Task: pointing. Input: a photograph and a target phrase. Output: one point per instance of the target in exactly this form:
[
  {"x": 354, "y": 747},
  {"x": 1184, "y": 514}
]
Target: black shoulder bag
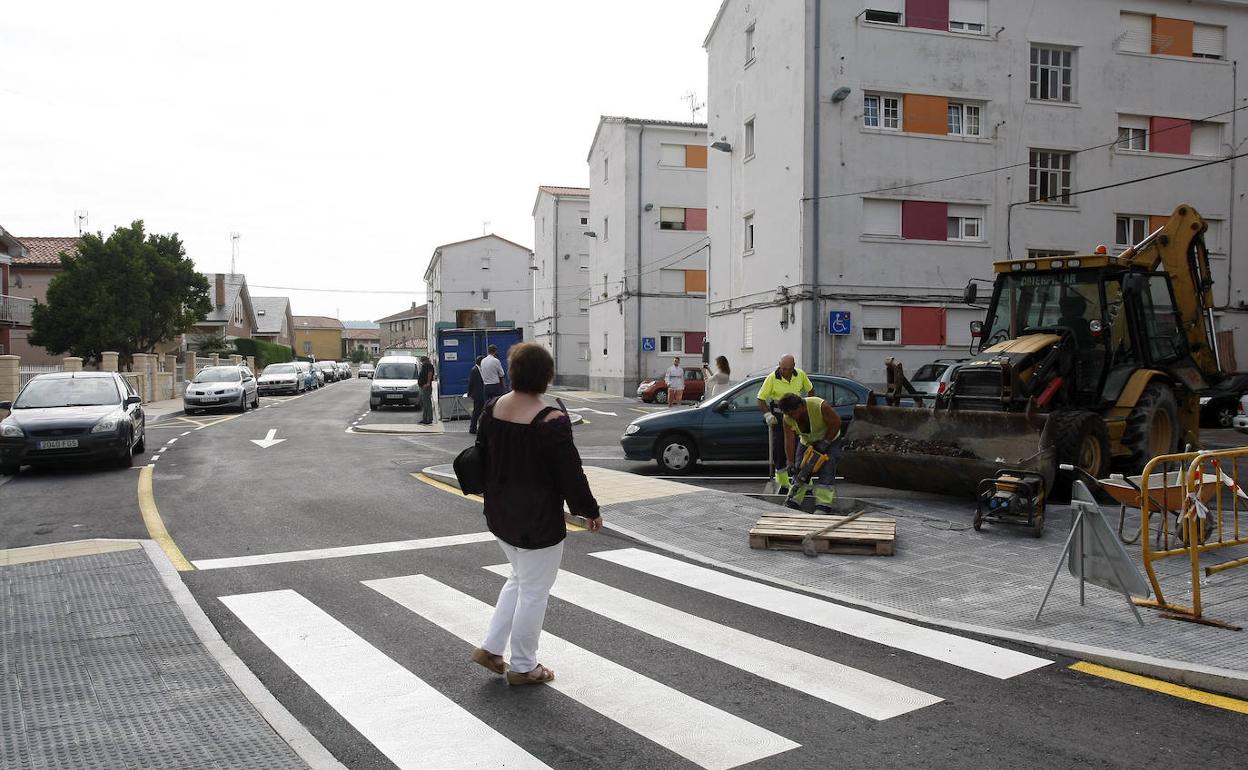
[{"x": 469, "y": 464}]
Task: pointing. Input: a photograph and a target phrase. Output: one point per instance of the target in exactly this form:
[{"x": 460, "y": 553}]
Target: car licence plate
[
  {"x": 65, "y": 443},
  {"x": 209, "y": 400},
  {"x": 394, "y": 395}
]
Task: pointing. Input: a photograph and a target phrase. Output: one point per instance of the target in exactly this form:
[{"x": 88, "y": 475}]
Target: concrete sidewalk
[
  {"x": 107, "y": 662},
  {"x": 944, "y": 573},
  {"x": 157, "y": 411}
]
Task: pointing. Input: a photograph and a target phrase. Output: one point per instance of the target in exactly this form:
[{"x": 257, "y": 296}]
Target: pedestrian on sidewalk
[
  {"x": 675, "y": 378},
  {"x": 426, "y": 377},
  {"x": 814, "y": 423},
  {"x": 492, "y": 374},
  {"x": 717, "y": 380},
  {"x": 476, "y": 391},
  {"x": 531, "y": 468},
  {"x": 787, "y": 378}
]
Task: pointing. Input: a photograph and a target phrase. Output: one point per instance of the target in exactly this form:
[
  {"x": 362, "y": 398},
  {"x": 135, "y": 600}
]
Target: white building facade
[
  {"x": 647, "y": 276},
  {"x": 856, "y": 192},
  {"x": 561, "y": 291},
  {"x": 486, "y": 273}
]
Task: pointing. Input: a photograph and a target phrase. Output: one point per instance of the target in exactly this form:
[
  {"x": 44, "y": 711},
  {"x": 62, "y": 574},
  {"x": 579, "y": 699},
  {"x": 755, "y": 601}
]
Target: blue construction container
[{"x": 457, "y": 350}]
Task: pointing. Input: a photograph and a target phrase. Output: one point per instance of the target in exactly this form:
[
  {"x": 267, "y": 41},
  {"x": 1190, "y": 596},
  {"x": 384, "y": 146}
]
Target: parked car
[
  {"x": 728, "y": 426},
  {"x": 1240, "y": 420},
  {"x": 310, "y": 380},
  {"x": 934, "y": 379},
  {"x": 327, "y": 368},
  {"x": 655, "y": 390},
  {"x": 221, "y": 387},
  {"x": 344, "y": 370},
  {"x": 66, "y": 417},
  {"x": 395, "y": 382},
  {"x": 365, "y": 370},
  {"x": 280, "y": 379},
  {"x": 1219, "y": 405}
]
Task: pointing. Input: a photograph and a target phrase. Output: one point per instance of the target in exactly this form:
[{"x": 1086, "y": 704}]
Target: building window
[
  {"x": 485, "y": 263},
  {"x": 1206, "y": 139},
  {"x": 964, "y": 228},
  {"x": 749, "y": 44},
  {"x": 885, "y": 335},
  {"x": 485, "y": 294},
  {"x": 879, "y": 111},
  {"x": 1049, "y": 177},
  {"x": 584, "y": 220},
  {"x": 606, "y": 228},
  {"x": 582, "y": 305},
  {"x": 883, "y": 11},
  {"x": 582, "y": 351},
  {"x": 604, "y": 343},
  {"x": 307, "y": 347},
  {"x": 671, "y": 218},
  {"x": 604, "y": 285},
  {"x": 1130, "y": 229},
  {"x": 963, "y": 119},
  {"x": 749, "y": 138},
  {"x": 1132, "y": 133},
  {"x": 747, "y": 330},
  {"x": 584, "y": 263},
  {"x": 881, "y": 217},
  {"x": 968, "y": 16},
  {"x": 1208, "y": 42},
  {"x": 606, "y": 168},
  {"x": 749, "y": 233},
  {"x": 671, "y": 342},
  {"x": 1052, "y": 74},
  {"x": 1046, "y": 253}
]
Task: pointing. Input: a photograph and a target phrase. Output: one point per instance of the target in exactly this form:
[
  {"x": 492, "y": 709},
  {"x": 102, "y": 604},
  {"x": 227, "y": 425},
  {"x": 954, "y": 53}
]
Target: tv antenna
[
  {"x": 80, "y": 218},
  {"x": 485, "y": 227},
  {"x": 695, "y": 106},
  {"x": 234, "y": 250}
]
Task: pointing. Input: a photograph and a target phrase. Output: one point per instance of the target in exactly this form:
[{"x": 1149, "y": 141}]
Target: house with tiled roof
[
  {"x": 406, "y": 330},
  {"x": 274, "y": 322},
  {"x": 14, "y": 311},
  {"x": 232, "y": 314},
  {"x": 318, "y": 337},
  {"x": 354, "y": 338},
  {"x": 29, "y": 276}
]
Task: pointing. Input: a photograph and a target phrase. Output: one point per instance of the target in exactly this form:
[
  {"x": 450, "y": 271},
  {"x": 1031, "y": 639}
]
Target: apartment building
[
  {"x": 486, "y": 273},
  {"x": 647, "y": 276},
  {"x": 406, "y": 330},
  {"x": 561, "y": 290},
  {"x": 833, "y": 239}
]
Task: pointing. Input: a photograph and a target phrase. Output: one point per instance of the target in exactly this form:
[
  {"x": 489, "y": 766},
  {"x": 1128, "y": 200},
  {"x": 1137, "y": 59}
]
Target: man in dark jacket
[
  {"x": 476, "y": 391},
  {"x": 426, "y": 378}
]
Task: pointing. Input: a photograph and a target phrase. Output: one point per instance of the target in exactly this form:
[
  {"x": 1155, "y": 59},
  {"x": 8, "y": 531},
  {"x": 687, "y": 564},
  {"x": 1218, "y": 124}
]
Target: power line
[
  {"x": 1135, "y": 180},
  {"x": 1021, "y": 164}
]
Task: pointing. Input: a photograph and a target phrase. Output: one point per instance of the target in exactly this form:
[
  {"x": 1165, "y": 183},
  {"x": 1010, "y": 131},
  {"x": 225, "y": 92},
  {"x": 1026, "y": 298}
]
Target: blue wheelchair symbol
[
  {"x": 647, "y": 344},
  {"x": 839, "y": 323}
]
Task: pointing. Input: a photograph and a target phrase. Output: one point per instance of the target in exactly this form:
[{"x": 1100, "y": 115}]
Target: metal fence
[
  {"x": 15, "y": 310},
  {"x": 26, "y": 373}
]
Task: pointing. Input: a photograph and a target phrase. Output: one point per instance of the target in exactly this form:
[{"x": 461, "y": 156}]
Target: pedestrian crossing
[{"x": 415, "y": 725}]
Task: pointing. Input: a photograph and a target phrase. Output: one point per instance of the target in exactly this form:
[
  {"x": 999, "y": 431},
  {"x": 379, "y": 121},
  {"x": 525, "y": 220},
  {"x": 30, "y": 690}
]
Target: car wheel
[
  {"x": 676, "y": 453},
  {"x": 1226, "y": 416},
  {"x": 372, "y": 406},
  {"x": 242, "y": 403},
  {"x": 141, "y": 447},
  {"x": 256, "y": 404},
  {"x": 126, "y": 458},
  {"x": 661, "y": 397}
]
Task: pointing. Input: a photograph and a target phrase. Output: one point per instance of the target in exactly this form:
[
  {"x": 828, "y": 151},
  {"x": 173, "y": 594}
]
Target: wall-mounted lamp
[
  {"x": 722, "y": 145},
  {"x": 647, "y": 207},
  {"x": 840, "y": 94}
]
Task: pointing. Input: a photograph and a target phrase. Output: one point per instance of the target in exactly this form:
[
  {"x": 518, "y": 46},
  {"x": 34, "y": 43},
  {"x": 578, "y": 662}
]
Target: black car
[
  {"x": 1219, "y": 405},
  {"x": 68, "y": 417}
]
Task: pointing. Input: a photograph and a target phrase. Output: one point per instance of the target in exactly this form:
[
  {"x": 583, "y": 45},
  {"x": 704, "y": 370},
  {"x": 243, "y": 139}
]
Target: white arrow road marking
[
  {"x": 268, "y": 441},
  {"x": 595, "y": 411}
]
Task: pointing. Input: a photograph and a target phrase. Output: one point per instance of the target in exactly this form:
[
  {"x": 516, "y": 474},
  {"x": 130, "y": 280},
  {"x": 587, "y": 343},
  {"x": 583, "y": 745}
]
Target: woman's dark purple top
[{"x": 530, "y": 470}]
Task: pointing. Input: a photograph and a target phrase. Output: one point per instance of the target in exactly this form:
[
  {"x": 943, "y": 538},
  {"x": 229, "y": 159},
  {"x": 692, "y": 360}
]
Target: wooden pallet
[{"x": 866, "y": 536}]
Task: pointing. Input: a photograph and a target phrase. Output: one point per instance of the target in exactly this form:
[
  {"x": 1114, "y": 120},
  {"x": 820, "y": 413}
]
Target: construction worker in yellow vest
[
  {"x": 787, "y": 378},
  {"x": 814, "y": 423}
]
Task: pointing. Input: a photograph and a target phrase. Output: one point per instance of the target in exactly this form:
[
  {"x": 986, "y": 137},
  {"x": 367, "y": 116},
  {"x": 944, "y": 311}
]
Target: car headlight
[
  {"x": 9, "y": 430},
  {"x": 107, "y": 424},
  {"x": 631, "y": 429}
]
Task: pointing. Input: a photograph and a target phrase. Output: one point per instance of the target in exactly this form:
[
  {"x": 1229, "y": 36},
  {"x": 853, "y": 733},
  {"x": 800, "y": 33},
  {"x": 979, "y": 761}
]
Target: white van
[{"x": 395, "y": 382}]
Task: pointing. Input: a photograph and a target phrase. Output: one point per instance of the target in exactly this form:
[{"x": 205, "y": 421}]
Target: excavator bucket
[{"x": 943, "y": 450}]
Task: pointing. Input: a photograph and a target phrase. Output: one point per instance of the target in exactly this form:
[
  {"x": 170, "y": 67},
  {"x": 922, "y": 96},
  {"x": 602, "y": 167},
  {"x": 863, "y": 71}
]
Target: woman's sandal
[
  {"x": 539, "y": 675},
  {"x": 489, "y": 660}
]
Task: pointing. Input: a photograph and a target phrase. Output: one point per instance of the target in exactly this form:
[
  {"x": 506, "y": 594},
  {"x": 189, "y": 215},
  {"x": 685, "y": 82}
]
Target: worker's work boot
[
  {"x": 782, "y": 481},
  {"x": 824, "y": 497}
]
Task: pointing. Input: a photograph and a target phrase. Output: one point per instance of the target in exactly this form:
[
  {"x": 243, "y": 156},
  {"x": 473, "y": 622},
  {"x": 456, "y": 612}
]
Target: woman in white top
[{"x": 717, "y": 381}]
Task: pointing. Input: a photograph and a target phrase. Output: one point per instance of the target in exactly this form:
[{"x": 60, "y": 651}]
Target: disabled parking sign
[
  {"x": 647, "y": 344},
  {"x": 838, "y": 322}
]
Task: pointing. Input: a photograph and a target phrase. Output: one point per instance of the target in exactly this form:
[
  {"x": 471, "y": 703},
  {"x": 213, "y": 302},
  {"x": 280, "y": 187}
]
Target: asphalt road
[{"x": 676, "y": 676}]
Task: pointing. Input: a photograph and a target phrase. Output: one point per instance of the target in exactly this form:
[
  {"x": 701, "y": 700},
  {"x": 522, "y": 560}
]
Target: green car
[{"x": 726, "y": 427}]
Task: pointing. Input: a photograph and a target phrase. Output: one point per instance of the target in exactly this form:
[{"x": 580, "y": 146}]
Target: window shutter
[
  {"x": 969, "y": 11},
  {"x": 670, "y": 214},
  {"x": 923, "y": 326},
  {"x": 695, "y": 156},
  {"x": 881, "y": 217},
  {"x": 695, "y": 219},
  {"x": 672, "y": 155},
  {"x": 1172, "y": 135},
  {"x": 1208, "y": 40},
  {"x": 1172, "y": 37},
  {"x": 927, "y": 14},
  {"x": 695, "y": 281},
  {"x": 1137, "y": 33},
  {"x": 1156, "y": 222},
  {"x": 1206, "y": 139},
  {"x": 1133, "y": 121},
  {"x": 925, "y": 114},
  {"x": 693, "y": 342},
  {"x": 671, "y": 281},
  {"x": 961, "y": 210},
  {"x": 880, "y": 316},
  {"x": 894, "y": 6},
  {"x": 924, "y": 220}
]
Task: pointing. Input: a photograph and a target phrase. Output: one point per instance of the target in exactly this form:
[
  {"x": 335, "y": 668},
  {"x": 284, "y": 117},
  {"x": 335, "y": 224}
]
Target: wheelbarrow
[{"x": 1169, "y": 496}]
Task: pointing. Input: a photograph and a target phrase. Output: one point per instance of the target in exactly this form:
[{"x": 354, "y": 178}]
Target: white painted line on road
[
  {"x": 154, "y": 458},
  {"x": 341, "y": 551},
  {"x": 682, "y": 724},
  {"x": 859, "y": 691},
  {"x": 187, "y": 433},
  {"x": 161, "y": 450},
  {"x": 170, "y": 441},
  {"x": 939, "y": 645},
  {"x": 408, "y": 721}
]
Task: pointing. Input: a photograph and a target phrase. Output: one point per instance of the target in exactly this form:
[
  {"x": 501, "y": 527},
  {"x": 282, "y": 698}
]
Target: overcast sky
[{"x": 344, "y": 141}]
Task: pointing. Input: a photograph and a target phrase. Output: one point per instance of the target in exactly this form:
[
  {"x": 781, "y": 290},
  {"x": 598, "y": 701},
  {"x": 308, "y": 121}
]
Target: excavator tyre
[{"x": 1153, "y": 425}]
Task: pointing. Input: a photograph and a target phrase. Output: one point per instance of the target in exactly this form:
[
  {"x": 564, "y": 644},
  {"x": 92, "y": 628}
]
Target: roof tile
[{"x": 46, "y": 250}]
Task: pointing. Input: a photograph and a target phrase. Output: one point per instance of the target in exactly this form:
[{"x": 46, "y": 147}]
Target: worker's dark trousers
[
  {"x": 478, "y": 404},
  {"x": 495, "y": 390}
]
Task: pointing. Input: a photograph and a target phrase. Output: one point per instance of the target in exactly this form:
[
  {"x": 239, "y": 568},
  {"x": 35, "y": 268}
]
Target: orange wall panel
[
  {"x": 1157, "y": 220},
  {"x": 1172, "y": 37},
  {"x": 925, "y": 114},
  {"x": 695, "y": 156},
  {"x": 695, "y": 281}
]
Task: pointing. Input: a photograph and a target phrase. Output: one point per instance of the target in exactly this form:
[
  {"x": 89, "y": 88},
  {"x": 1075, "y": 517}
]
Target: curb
[{"x": 289, "y": 729}]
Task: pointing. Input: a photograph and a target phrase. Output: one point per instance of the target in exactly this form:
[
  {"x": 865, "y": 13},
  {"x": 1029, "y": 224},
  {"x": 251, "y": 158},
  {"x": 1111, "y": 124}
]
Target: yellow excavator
[{"x": 1088, "y": 360}]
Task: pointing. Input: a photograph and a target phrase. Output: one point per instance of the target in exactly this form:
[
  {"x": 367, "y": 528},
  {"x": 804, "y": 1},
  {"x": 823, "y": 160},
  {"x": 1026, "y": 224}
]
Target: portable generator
[{"x": 1012, "y": 497}]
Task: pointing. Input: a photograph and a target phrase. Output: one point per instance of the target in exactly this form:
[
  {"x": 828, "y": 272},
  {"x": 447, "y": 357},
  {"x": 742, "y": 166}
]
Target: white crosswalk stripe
[
  {"x": 411, "y": 723},
  {"x": 697, "y": 731},
  {"x": 850, "y": 688},
  {"x": 939, "y": 645}
]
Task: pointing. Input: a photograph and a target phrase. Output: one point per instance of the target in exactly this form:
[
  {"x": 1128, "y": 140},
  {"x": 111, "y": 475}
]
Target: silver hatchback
[{"x": 221, "y": 387}]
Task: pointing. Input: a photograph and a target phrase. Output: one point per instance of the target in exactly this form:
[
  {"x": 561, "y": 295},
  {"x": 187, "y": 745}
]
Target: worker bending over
[
  {"x": 812, "y": 421},
  {"x": 787, "y": 378}
]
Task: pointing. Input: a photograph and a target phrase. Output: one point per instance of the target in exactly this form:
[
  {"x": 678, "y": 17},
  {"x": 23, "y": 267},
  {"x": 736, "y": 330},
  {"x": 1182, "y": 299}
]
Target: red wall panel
[
  {"x": 922, "y": 325},
  {"x": 924, "y": 220},
  {"x": 693, "y": 342},
  {"x": 1172, "y": 135},
  {"x": 928, "y": 14},
  {"x": 695, "y": 219}
]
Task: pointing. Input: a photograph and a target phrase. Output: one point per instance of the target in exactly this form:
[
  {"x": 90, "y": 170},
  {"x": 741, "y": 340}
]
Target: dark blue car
[{"x": 728, "y": 426}]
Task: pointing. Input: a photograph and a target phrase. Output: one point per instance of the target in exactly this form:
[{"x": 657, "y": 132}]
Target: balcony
[{"x": 15, "y": 311}]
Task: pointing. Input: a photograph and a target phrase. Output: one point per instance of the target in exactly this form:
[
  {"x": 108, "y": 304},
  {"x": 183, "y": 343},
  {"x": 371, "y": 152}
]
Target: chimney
[{"x": 220, "y": 290}]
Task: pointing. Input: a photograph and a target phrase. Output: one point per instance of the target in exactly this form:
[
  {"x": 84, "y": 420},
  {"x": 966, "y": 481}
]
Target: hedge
[{"x": 265, "y": 352}]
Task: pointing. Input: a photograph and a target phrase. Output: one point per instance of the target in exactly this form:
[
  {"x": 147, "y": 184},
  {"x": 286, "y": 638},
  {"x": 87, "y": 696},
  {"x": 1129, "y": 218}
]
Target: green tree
[
  {"x": 359, "y": 355},
  {"x": 125, "y": 293}
]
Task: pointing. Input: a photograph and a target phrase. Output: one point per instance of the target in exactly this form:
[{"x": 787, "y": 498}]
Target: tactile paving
[
  {"x": 82, "y": 745},
  {"x": 162, "y": 740}
]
